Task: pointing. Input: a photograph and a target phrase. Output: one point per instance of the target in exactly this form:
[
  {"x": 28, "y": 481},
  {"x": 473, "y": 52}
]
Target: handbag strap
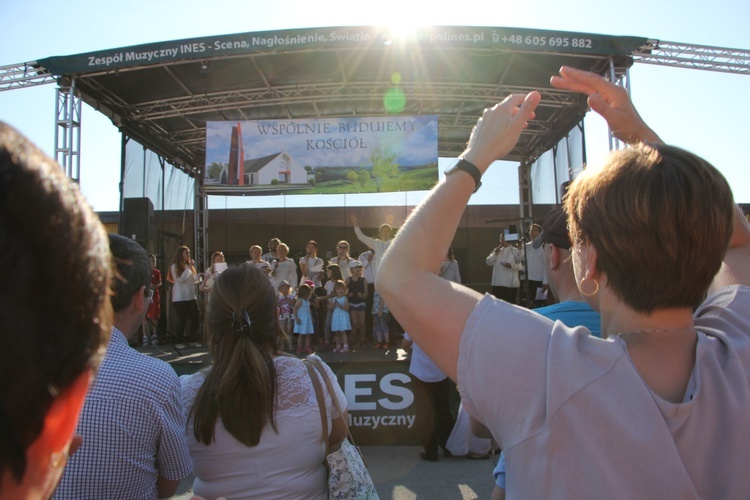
[
  {"x": 321, "y": 402},
  {"x": 318, "y": 366}
]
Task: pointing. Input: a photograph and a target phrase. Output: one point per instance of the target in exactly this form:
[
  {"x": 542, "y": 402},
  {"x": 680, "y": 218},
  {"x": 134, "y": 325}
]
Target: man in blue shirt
[{"x": 558, "y": 263}]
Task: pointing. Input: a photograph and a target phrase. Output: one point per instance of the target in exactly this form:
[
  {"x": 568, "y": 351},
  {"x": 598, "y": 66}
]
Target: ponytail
[{"x": 243, "y": 336}]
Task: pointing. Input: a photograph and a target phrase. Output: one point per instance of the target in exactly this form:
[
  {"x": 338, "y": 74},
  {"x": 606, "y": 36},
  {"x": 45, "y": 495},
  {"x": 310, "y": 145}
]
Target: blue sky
[{"x": 701, "y": 111}]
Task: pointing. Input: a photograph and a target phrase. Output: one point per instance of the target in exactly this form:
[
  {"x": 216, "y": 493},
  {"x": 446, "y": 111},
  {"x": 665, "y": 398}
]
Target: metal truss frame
[
  {"x": 200, "y": 214},
  {"x": 333, "y": 92},
  {"x": 621, "y": 77},
  {"x": 68, "y": 130},
  {"x": 28, "y": 74},
  {"x": 469, "y": 101},
  {"x": 704, "y": 57}
]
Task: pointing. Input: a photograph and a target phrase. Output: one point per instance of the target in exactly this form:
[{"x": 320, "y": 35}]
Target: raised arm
[
  {"x": 609, "y": 100},
  {"x": 735, "y": 269},
  {"x": 408, "y": 279},
  {"x": 370, "y": 242}
]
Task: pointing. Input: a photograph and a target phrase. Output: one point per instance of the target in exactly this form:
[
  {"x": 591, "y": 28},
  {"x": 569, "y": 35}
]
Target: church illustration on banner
[{"x": 280, "y": 166}]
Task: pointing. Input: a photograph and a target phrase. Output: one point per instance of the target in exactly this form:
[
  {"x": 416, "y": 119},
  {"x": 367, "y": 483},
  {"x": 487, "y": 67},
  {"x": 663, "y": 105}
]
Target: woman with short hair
[{"x": 657, "y": 408}]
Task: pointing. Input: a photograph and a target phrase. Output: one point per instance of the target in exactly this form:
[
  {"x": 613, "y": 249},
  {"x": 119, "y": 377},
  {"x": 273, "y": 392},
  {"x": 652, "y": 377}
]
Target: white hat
[{"x": 355, "y": 263}]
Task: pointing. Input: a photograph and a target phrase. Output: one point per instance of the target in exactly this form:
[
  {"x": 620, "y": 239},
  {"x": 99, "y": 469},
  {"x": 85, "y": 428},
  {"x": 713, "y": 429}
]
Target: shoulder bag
[{"x": 348, "y": 477}]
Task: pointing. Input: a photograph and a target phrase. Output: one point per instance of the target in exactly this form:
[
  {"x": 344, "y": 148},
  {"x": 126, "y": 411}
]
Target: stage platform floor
[{"x": 192, "y": 359}]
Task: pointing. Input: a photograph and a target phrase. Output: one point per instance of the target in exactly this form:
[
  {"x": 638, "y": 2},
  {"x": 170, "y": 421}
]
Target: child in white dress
[
  {"x": 303, "y": 324},
  {"x": 286, "y": 300}
]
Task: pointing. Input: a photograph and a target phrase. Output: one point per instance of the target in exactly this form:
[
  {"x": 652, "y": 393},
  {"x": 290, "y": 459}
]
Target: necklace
[{"x": 657, "y": 330}]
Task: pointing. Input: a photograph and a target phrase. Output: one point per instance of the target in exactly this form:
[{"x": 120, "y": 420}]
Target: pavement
[{"x": 399, "y": 474}]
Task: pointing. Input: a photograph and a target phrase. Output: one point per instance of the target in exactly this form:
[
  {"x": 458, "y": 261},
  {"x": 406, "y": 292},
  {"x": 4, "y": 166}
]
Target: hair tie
[{"x": 240, "y": 326}]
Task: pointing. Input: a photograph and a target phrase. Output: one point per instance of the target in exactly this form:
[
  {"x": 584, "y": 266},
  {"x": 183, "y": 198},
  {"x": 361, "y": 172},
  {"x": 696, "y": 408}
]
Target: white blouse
[
  {"x": 183, "y": 288},
  {"x": 287, "y": 464}
]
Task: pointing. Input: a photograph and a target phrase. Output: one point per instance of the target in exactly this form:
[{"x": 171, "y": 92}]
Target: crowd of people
[
  {"x": 310, "y": 295},
  {"x": 368, "y": 319},
  {"x": 635, "y": 384}
]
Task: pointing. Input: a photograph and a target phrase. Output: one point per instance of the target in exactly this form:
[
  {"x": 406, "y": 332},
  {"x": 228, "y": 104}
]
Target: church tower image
[{"x": 236, "y": 158}]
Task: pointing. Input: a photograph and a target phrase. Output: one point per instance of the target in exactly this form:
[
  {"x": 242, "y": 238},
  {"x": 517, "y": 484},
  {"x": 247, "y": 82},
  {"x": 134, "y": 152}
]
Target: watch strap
[{"x": 470, "y": 169}]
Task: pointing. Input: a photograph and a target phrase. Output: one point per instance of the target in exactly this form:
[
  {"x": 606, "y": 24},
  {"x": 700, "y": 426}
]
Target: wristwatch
[{"x": 470, "y": 169}]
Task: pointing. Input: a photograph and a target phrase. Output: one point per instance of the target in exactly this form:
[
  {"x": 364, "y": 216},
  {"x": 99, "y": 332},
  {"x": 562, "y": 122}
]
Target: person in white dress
[{"x": 254, "y": 428}]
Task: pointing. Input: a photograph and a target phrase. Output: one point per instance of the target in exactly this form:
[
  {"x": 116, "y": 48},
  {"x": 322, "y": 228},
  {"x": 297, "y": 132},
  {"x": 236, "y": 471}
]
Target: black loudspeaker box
[{"x": 138, "y": 220}]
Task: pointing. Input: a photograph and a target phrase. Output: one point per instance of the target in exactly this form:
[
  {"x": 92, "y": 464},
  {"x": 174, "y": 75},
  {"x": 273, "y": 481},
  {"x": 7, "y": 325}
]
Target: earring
[
  {"x": 596, "y": 290},
  {"x": 58, "y": 460}
]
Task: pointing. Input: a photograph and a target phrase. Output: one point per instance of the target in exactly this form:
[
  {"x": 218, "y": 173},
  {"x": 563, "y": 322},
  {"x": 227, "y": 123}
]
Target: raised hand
[
  {"x": 498, "y": 130},
  {"x": 609, "y": 100}
]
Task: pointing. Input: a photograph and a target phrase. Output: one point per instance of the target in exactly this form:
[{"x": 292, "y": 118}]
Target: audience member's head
[
  {"x": 554, "y": 230},
  {"x": 558, "y": 264},
  {"x": 133, "y": 270},
  {"x": 243, "y": 334},
  {"x": 645, "y": 213},
  {"x": 55, "y": 314},
  {"x": 131, "y": 283}
]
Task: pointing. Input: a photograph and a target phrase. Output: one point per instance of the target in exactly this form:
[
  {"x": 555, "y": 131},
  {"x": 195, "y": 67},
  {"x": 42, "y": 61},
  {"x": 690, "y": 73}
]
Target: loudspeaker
[{"x": 138, "y": 220}]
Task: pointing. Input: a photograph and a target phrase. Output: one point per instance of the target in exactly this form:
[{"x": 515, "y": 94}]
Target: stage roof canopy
[{"x": 162, "y": 94}]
